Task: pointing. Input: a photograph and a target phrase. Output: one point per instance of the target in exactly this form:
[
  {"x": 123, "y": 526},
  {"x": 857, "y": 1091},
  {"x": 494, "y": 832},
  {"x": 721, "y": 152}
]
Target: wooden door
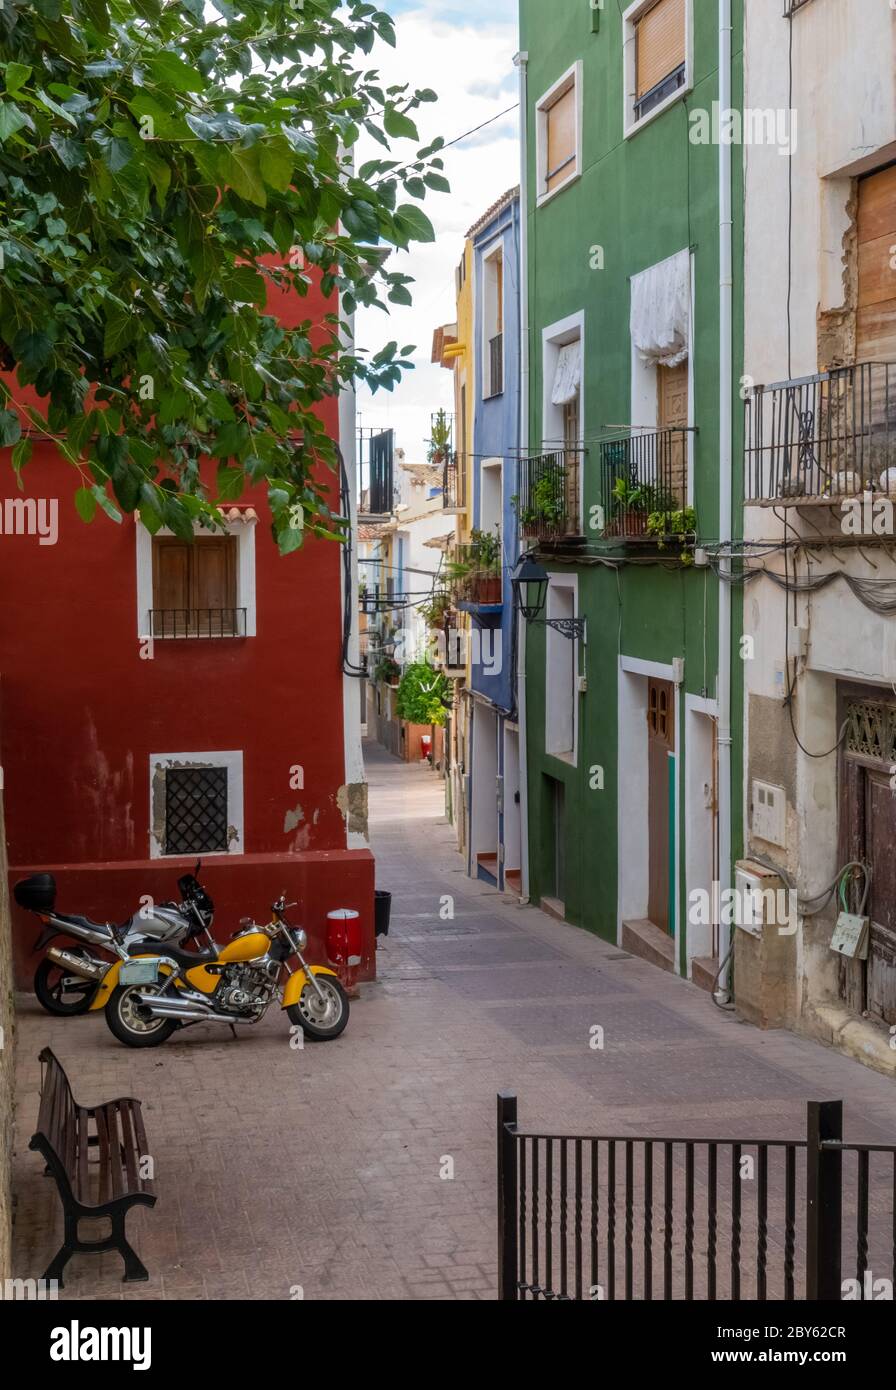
[
  {"x": 660, "y": 744},
  {"x": 876, "y": 317},
  {"x": 880, "y": 838},
  {"x": 672, "y": 387}
]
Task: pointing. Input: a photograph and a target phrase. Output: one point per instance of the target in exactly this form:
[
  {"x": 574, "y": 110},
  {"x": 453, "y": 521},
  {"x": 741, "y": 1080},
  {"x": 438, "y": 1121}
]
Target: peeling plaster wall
[{"x": 844, "y": 94}]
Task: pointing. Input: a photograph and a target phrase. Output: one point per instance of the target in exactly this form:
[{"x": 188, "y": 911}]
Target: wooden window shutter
[
  {"x": 876, "y": 318},
  {"x": 660, "y": 43},
  {"x": 561, "y": 123},
  {"x": 213, "y": 573},
  {"x": 171, "y": 573}
]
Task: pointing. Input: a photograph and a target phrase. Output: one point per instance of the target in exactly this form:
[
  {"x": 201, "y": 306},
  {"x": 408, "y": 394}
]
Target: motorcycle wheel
[
  {"x": 133, "y": 1025},
  {"x": 318, "y": 1018},
  {"x": 61, "y": 993}
]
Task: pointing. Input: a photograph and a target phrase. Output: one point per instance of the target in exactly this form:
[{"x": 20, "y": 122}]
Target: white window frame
[
  {"x": 571, "y": 78},
  {"x": 492, "y": 467},
  {"x": 557, "y": 645},
  {"x": 630, "y": 17},
  {"x": 245, "y": 578},
  {"x": 489, "y": 255},
  {"x": 556, "y": 336},
  {"x": 645, "y": 404},
  {"x": 233, "y": 762}
]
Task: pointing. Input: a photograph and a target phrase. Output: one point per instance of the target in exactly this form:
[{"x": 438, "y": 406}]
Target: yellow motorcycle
[{"x": 161, "y": 988}]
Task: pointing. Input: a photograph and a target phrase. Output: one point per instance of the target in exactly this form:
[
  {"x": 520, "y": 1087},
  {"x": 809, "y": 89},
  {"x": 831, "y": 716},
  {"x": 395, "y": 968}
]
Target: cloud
[{"x": 465, "y": 53}]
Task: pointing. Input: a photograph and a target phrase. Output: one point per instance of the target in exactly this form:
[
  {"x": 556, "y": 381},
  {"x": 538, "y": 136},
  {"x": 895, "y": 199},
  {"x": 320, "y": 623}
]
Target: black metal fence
[
  {"x": 822, "y": 437},
  {"x": 547, "y": 503},
  {"x": 610, "y": 1218},
  {"x": 197, "y": 622},
  {"x": 643, "y": 473}
]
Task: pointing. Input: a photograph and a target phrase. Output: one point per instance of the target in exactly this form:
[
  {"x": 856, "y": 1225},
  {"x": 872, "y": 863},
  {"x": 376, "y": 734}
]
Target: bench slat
[
  {"x": 131, "y": 1152},
  {"x": 102, "y": 1132},
  {"x": 147, "y": 1184}
]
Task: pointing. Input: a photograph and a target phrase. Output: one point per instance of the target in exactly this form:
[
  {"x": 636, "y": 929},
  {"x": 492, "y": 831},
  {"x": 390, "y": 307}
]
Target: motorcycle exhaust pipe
[
  {"x": 75, "y": 965},
  {"x": 186, "y": 1012}
]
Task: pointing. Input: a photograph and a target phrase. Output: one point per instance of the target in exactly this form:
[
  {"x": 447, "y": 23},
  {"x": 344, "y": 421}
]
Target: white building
[{"x": 820, "y": 624}]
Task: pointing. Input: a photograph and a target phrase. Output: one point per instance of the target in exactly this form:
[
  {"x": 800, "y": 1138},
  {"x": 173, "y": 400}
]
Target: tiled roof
[{"x": 504, "y": 201}]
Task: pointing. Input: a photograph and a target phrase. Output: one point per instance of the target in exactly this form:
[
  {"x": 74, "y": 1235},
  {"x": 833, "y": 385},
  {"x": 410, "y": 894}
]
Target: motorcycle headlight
[{"x": 301, "y": 939}]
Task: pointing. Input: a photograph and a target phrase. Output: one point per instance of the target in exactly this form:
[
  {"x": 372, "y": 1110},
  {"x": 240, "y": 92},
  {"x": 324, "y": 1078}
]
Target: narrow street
[{"x": 323, "y": 1168}]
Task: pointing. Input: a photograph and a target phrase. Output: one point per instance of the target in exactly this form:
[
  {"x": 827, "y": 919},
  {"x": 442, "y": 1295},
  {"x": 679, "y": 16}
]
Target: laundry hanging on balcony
[
  {"x": 568, "y": 376},
  {"x": 661, "y": 311}
]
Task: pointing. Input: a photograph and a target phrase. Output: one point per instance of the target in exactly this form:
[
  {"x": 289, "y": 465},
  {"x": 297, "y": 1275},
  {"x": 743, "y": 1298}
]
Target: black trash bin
[{"x": 382, "y": 910}]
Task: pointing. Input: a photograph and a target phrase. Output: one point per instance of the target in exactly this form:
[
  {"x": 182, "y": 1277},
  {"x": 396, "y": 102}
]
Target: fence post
[
  {"x": 824, "y": 1201},
  {"x": 507, "y": 1198}
]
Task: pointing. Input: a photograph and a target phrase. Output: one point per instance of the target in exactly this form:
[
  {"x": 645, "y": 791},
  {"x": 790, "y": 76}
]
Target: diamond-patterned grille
[
  {"x": 195, "y": 810},
  {"x": 871, "y": 730}
]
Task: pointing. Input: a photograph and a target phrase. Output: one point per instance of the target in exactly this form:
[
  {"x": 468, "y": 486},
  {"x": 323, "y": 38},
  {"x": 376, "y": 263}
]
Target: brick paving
[{"x": 323, "y": 1168}]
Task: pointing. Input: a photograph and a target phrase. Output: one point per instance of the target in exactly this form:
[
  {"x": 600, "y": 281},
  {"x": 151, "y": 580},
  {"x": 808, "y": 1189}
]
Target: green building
[{"x": 629, "y": 480}]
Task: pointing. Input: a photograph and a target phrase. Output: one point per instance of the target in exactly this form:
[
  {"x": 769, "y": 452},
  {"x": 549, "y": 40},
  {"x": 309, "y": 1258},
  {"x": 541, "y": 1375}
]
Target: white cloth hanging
[
  {"x": 661, "y": 311},
  {"x": 568, "y": 376}
]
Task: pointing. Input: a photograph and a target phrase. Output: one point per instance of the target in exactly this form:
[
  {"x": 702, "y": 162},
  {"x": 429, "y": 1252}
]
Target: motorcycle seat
[
  {"x": 162, "y": 948},
  {"x": 85, "y": 923}
]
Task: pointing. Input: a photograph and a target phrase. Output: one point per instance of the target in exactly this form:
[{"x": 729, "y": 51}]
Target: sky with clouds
[{"x": 463, "y": 50}]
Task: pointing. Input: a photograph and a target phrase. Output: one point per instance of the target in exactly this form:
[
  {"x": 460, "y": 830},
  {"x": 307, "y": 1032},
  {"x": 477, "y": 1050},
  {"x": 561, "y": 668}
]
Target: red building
[{"x": 233, "y": 733}]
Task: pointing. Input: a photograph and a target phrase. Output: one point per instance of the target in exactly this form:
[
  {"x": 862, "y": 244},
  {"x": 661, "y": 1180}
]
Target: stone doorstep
[
  {"x": 650, "y": 942},
  {"x": 554, "y": 908},
  {"x": 704, "y": 970},
  {"x": 847, "y": 1032}
]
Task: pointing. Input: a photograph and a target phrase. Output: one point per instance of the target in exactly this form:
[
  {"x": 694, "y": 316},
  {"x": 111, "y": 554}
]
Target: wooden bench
[{"x": 96, "y": 1154}]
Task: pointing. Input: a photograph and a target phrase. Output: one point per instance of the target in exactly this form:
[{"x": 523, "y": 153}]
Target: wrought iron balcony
[
  {"x": 547, "y": 503},
  {"x": 820, "y": 439},
  {"x": 197, "y": 622},
  {"x": 643, "y": 475},
  {"x": 454, "y": 483},
  {"x": 475, "y": 573}
]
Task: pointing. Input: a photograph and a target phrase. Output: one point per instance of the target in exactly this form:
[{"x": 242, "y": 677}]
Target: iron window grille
[
  {"x": 871, "y": 730},
  {"x": 197, "y": 622},
  {"x": 195, "y": 810}
]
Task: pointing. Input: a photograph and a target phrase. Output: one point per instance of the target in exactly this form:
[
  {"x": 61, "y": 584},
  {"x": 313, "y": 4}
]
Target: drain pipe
[
  {"x": 726, "y": 422},
  {"x": 521, "y": 62}
]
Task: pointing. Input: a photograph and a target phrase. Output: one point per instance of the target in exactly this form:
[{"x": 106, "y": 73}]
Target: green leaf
[
  {"x": 244, "y": 175},
  {"x": 121, "y": 328},
  {"x": 85, "y": 501},
  {"x": 231, "y": 482},
  {"x": 415, "y": 219},
  {"x": 171, "y": 71},
  {"x": 106, "y": 503},
  {"x": 21, "y": 453},
  {"x": 10, "y": 428},
  {"x": 17, "y": 75},
  {"x": 399, "y": 126},
  {"x": 277, "y": 164},
  {"x": 11, "y": 120}
]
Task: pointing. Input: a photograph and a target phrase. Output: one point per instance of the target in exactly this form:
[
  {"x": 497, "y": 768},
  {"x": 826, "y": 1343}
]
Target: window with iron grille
[{"x": 196, "y": 810}]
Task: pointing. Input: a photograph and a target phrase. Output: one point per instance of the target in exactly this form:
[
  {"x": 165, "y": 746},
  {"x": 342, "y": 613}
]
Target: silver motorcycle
[{"x": 67, "y": 979}]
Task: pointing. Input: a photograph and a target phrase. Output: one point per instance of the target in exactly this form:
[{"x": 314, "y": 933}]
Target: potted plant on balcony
[
  {"x": 545, "y": 506},
  {"x": 678, "y": 528},
  {"x": 387, "y": 672},
  {"x": 485, "y": 555},
  {"x": 436, "y": 611},
  {"x": 440, "y": 442}
]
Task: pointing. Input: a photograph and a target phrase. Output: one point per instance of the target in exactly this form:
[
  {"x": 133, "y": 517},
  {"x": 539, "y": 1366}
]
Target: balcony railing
[
  {"x": 475, "y": 577},
  {"x": 822, "y": 438},
  {"x": 454, "y": 484},
  {"x": 548, "y": 499},
  {"x": 197, "y": 622},
  {"x": 495, "y": 365},
  {"x": 643, "y": 474}
]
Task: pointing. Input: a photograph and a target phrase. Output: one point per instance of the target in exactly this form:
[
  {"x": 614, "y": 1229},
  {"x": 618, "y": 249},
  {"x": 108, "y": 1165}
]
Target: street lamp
[{"x": 529, "y": 583}]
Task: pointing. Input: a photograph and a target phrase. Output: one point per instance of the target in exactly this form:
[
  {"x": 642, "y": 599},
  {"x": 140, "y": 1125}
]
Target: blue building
[{"x": 494, "y": 844}]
